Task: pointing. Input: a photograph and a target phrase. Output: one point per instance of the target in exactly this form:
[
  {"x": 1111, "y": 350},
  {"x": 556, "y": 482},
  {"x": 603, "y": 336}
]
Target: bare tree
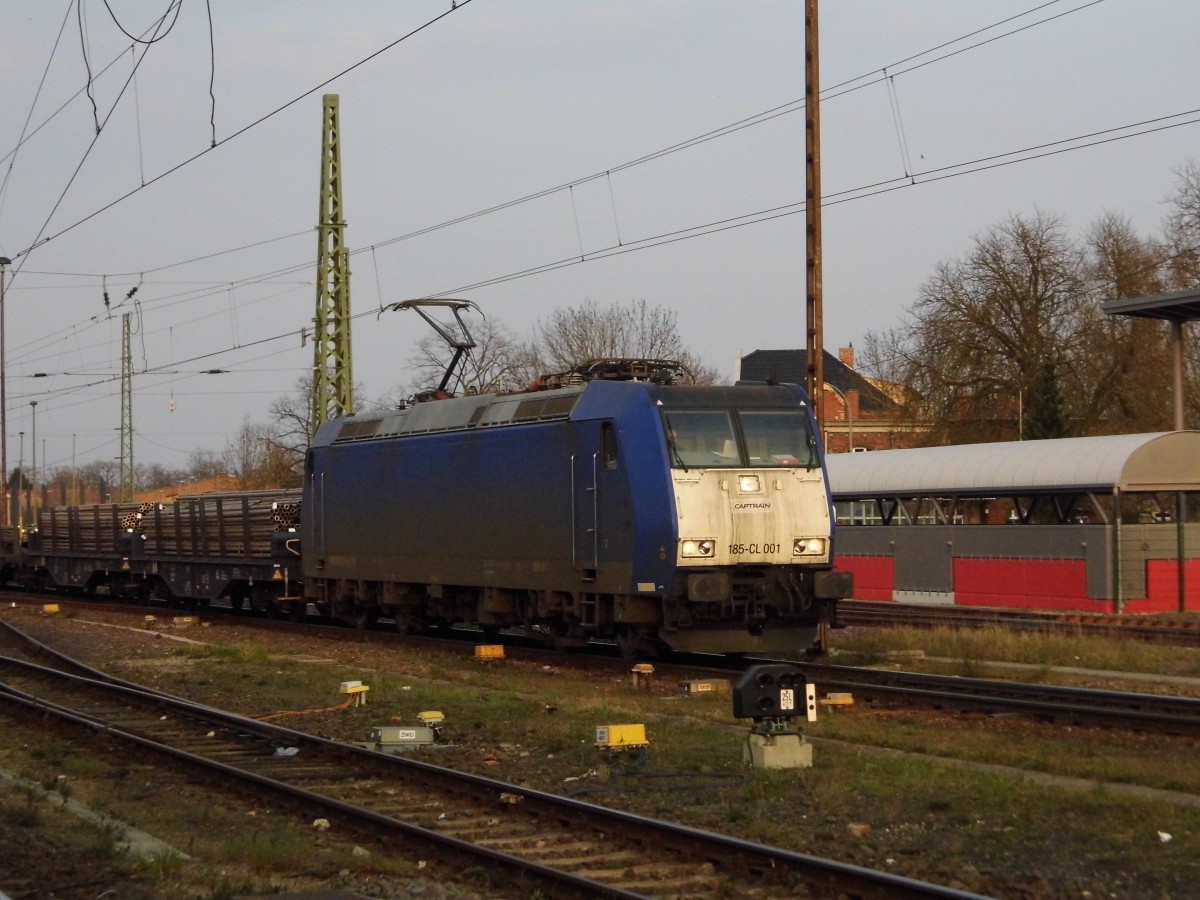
[
  {"x": 100, "y": 477},
  {"x": 498, "y": 362},
  {"x": 290, "y": 413},
  {"x": 1183, "y": 242},
  {"x": 1011, "y": 341},
  {"x": 982, "y": 349},
  {"x": 256, "y": 460},
  {"x": 288, "y": 432},
  {"x": 155, "y": 476},
  {"x": 203, "y": 465},
  {"x": 1183, "y": 228},
  {"x": 573, "y": 335},
  {"x": 1118, "y": 380}
]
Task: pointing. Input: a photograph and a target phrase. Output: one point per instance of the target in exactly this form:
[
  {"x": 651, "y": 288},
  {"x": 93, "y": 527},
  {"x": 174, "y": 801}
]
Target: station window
[{"x": 858, "y": 512}]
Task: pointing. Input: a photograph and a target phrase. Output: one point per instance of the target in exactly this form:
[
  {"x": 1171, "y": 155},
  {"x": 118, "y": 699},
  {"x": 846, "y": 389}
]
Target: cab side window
[{"x": 608, "y": 445}]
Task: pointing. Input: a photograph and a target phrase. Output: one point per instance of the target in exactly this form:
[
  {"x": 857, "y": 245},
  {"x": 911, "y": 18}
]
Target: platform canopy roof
[
  {"x": 1164, "y": 461},
  {"x": 1180, "y": 306}
]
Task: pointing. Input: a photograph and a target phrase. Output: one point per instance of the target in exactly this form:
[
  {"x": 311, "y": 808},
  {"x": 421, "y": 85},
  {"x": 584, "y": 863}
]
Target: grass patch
[
  {"x": 231, "y": 653},
  {"x": 973, "y": 648},
  {"x": 81, "y": 766},
  {"x": 1147, "y": 760},
  {"x": 163, "y": 866},
  {"x": 276, "y": 850}
]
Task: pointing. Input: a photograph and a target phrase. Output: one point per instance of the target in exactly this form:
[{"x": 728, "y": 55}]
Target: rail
[{"x": 558, "y": 845}]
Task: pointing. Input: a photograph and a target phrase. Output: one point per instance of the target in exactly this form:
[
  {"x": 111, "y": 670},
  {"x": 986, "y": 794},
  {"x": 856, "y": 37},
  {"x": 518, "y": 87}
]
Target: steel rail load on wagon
[
  {"x": 1095, "y": 524},
  {"x": 241, "y": 546}
]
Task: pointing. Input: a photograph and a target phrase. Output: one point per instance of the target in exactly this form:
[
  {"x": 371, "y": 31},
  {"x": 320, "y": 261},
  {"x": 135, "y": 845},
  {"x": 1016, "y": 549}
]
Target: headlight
[
  {"x": 700, "y": 548},
  {"x": 808, "y": 547},
  {"x": 748, "y": 484}
]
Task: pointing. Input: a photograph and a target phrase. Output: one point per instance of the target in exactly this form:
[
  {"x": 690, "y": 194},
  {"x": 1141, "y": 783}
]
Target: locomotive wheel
[
  {"x": 632, "y": 643},
  {"x": 560, "y": 636},
  {"x": 627, "y": 643}
]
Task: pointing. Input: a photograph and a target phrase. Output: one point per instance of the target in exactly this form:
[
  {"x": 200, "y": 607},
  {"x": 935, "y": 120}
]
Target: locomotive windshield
[{"x": 712, "y": 438}]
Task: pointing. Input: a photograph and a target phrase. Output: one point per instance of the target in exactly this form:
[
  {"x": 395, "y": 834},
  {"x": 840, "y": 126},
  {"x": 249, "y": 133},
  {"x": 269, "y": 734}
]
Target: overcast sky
[{"x": 498, "y": 101}]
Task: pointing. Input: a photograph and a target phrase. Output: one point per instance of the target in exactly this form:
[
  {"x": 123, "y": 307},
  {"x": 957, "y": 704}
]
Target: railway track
[
  {"x": 1116, "y": 709},
  {"x": 1121, "y": 709},
  {"x": 535, "y": 841},
  {"x": 1167, "y": 629}
]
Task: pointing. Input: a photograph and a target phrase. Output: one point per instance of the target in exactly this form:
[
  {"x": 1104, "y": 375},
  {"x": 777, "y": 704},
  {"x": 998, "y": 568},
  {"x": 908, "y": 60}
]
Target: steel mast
[
  {"x": 333, "y": 379},
  {"x": 128, "y": 485}
]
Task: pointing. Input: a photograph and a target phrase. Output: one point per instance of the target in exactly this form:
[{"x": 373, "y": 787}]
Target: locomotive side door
[
  {"x": 316, "y": 513},
  {"x": 592, "y": 466}
]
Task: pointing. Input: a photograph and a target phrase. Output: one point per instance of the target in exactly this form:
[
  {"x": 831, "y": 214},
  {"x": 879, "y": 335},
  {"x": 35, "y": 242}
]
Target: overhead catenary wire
[
  {"x": 27, "y": 135},
  {"x": 901, "y": 138},
  {"x": 40, "y": 239},
  {"x": 86, "y": 63},
  {"x": 12, "y": 156},
  {"x": 757, "y": 119},
  {"x": 607, "y": 174},
  {"x": 212, "y": 74},
  {"x": 836, "y": 90},
  {"x": 75, "y": 174},
  {"x": 710, "y": 228},
  {"x": 177, "y": 5},
  {"x": 77, "y": 392},
  {"x": 860, "y": 193},
  {"x": 840, "y": 89},
  {"x": 758, "y": 217},
  {"x": 137, "y": 119},
  {"x": 34, "y": 349}
]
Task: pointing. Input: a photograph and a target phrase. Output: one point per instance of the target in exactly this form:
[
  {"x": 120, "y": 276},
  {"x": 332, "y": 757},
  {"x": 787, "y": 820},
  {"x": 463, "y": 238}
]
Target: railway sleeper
[
  {"x": 655, "y": 877},
  {"x": 610, "y": 860}
]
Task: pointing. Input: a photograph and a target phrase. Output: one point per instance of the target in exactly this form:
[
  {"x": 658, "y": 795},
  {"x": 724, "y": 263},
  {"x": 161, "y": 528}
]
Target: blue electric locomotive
[{"x": 696, "y": 518}]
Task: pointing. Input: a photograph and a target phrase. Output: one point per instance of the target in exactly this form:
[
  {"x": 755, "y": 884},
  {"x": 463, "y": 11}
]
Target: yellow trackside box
[
  {"x": 620, "y": 737},
  {"x": 489, "y": 651}
]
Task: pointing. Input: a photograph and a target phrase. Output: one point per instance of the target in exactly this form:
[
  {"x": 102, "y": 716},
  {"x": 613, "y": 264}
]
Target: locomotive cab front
[{"x": 755, "y": 534}]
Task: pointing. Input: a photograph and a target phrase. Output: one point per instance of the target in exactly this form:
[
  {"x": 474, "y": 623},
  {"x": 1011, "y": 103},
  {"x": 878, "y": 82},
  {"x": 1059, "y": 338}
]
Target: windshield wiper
[{"x": 671, "y": 440}]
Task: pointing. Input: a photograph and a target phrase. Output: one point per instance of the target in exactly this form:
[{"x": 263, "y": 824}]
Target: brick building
[{"x": 856, "y": 412}]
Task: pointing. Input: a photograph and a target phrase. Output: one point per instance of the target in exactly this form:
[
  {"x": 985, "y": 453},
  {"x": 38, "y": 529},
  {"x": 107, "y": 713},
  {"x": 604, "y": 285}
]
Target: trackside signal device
[{"x": 772, "y": 696}]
